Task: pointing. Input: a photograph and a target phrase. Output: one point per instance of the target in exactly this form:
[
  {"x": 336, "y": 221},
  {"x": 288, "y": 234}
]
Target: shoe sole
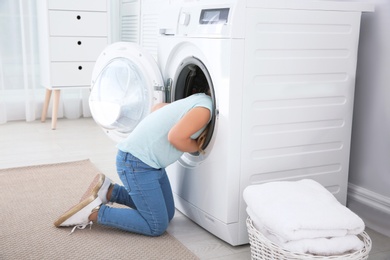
[
  {"x": 74, "y": 210},
  {"x": 94, "y": 187}
]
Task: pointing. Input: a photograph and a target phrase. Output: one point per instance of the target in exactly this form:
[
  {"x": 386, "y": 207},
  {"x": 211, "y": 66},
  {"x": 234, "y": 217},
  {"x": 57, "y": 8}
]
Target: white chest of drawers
[{"x": 72, "y": 33}]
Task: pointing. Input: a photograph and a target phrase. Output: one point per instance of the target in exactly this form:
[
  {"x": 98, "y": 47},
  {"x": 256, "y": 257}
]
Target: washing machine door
[{"x": 126, "y": 83}]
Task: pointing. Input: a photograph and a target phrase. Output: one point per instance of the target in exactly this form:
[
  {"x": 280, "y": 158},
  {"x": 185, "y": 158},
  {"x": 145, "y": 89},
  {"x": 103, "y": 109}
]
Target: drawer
[
  {"x": 76, "y": 48},
  {"x": 71, "y": 74},
  {"x": 73, "y": 23},
  {"x": 81, "y": 5}
]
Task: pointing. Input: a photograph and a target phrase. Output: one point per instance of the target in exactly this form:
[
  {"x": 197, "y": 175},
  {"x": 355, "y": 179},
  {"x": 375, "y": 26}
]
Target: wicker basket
[{"x": 263, "y": 248}]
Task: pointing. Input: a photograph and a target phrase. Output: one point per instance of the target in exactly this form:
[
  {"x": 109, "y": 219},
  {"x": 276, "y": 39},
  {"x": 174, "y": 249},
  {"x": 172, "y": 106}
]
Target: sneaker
[
  {"x": 98, "y": 188},
  {"x": 78, "y": 215}
]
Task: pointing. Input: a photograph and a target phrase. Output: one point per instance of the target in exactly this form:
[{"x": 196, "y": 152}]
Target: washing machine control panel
[
  {"x": 214, "y": 16},
  {"x": 184, "y": 19},
  {"x": 204, "y": 21}
]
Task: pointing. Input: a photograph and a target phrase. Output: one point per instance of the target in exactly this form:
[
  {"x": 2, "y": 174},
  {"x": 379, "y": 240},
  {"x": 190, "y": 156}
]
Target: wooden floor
[{"x": 34, "y": 143}]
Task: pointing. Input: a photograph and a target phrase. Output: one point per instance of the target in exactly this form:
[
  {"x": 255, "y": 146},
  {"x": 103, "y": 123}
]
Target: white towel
[
  {"x": 323, "y": 246},
  {"x": 326, "y": 246},
  {"x": 294, "y": 210}
]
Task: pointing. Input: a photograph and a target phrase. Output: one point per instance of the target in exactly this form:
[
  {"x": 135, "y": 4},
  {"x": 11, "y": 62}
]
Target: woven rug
[{"x": 33, "y": 197}]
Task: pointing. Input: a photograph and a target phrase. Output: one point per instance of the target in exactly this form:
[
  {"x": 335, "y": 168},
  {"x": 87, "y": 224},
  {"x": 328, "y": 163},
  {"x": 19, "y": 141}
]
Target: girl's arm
[{"x": 180, "y": 134}]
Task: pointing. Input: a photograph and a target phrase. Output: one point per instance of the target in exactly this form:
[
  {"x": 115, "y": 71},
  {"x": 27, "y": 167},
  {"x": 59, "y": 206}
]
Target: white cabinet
[
  {"x": 72, "y": 34},
  {"x": 139, "y": 22}
]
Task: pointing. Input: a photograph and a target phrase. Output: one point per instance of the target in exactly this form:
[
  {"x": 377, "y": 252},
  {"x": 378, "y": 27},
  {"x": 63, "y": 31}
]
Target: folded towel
[
  {"x": 326, "y": 246},
  {"x": 317, "y": 246},
  {"x": 293, "y": 210}
]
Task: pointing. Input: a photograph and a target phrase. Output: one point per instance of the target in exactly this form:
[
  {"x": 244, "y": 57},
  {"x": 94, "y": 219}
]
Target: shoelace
[{"x": 82, "y": 226}]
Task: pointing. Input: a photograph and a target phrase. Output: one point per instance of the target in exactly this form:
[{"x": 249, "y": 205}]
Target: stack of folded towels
[{"x": 303, "y": 217}]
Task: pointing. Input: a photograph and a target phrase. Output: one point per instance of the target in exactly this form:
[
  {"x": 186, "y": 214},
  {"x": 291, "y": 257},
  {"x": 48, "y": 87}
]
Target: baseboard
[{"x": 372, "y": 207}]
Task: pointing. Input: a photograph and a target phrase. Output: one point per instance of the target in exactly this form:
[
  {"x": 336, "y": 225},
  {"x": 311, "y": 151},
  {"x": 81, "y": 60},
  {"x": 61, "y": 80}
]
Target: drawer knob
[
  {"x": 78, "y": 17},
  {"x": 80, "y": 67},
  {"x": 79, "y": 42}
]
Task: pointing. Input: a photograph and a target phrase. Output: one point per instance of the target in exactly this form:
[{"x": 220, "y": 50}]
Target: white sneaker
[
  {"x": 78, "y": 215},
  {"x": 98, "y": 188}
]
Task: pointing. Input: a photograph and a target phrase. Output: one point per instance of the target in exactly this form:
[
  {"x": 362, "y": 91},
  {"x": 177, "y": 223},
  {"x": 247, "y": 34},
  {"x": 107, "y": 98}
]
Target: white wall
[{"x": 369, "y": 177}]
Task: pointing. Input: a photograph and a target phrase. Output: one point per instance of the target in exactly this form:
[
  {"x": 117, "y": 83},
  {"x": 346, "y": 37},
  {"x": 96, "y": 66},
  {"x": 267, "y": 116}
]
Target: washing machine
[{"x": 281, "y": 76}]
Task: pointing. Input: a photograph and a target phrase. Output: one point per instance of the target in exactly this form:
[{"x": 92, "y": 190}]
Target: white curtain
[{"x": 21, "y": 95}]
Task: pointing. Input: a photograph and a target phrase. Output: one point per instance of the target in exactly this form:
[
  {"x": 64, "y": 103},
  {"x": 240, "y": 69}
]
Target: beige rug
[{"x": 33, "y": 197}]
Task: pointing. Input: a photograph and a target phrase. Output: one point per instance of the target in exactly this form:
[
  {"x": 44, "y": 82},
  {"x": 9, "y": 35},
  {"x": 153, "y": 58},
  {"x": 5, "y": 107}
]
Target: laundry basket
[{"x": 263, "y": 248}]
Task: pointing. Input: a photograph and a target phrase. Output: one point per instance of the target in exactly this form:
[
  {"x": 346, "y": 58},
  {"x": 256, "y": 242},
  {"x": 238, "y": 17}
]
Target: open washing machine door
[{"x": 126, "y": 83}]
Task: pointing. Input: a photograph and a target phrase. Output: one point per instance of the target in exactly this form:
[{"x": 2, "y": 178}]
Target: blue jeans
[{"x": 146, "y": 191}]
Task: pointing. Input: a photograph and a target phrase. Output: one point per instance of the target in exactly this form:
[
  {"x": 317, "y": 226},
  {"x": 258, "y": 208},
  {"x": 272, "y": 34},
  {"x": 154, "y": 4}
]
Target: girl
[{"x": 158, "y": 141}]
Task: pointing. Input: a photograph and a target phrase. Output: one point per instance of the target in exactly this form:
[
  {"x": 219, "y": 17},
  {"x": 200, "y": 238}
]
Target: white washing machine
[{"x": 281, "y": 75}]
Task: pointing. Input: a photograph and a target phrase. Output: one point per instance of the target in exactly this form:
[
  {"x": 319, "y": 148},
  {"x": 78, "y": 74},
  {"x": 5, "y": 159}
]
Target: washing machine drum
[{"x": 122, "y": 88}]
